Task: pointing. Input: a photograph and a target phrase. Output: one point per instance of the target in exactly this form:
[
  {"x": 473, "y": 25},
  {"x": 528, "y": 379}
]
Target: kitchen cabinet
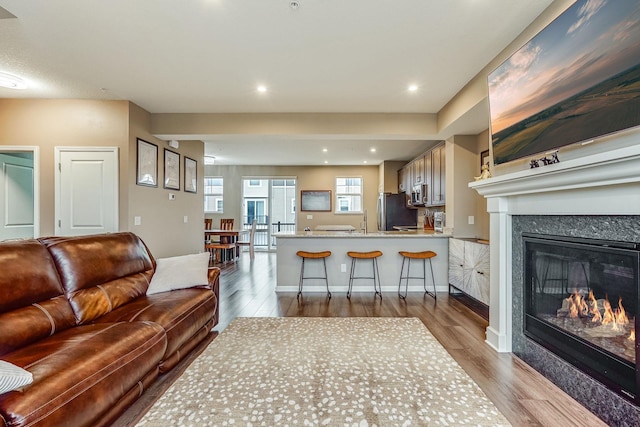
[
  {"x": 428, "y": 170},
  {"x": 438, "y": 176},
  {"x": 405, "y": 178},
  {"x": 469, "y": 268},
  {"x": 418, "y": 171}
]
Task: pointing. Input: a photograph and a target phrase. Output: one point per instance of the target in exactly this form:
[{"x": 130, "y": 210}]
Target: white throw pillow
[
  {"x": 180, "y": 272},
  {"x": 13, "y": 377}
]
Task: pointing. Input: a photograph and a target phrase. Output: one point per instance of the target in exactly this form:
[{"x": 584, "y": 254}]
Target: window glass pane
[
  {"x": 348, "y": 194},
  {"x": 213, "y": 188}
]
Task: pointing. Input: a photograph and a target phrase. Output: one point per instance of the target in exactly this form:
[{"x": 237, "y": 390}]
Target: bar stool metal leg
[
  {"x": 301, "y": 278},
  {"x": 433, "y": 280},
  {"x": 353, "y": 268},
  {"x": 326, "y": 278},
  {"x": 406, "y": 286},
  {"x": 376, "y": 276}
]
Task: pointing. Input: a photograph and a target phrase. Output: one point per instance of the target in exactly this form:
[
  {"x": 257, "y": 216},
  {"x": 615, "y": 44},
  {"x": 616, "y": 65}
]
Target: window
[
  {"x": 213, "y": 195},
  {"x": 348, "y": 195},
  {"x": 255, "y": 183},
  {"x": 293, "y": 205}
]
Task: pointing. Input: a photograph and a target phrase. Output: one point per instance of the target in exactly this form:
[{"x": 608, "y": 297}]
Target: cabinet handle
[{"x": 480, "y": 272}]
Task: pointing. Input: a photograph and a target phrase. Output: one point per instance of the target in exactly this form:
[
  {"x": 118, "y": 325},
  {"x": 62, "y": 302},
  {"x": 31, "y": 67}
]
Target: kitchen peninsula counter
[{"x": 339, "y": 264}]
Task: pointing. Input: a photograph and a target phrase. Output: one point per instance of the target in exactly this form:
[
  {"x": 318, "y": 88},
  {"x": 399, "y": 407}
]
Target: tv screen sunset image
[{"x": 576, "y": 80}]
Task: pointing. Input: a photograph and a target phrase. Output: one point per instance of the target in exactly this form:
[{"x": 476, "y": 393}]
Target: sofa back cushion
[
  {"x": 32, "y": 303},
  {"x": 100, "y": 273}
]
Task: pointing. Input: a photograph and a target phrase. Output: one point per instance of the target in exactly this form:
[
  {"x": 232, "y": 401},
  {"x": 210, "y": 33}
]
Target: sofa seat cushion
[
  {"x": 181, "y": 313},
  {"x": 79, "y": 374}
]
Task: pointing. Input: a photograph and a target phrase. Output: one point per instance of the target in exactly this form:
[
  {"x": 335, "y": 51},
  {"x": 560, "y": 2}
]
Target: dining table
[{"x": 226, "y": 236}]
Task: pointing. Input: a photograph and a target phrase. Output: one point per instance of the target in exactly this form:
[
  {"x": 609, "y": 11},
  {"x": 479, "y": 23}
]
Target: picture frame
[
  {"x": 484, "y": 158},
  {"x": 190, "y": 175},
  {"x": 147, "y": 164},
  {"x": 315, "y": 200},
  {"x": 171, "y": 170}
]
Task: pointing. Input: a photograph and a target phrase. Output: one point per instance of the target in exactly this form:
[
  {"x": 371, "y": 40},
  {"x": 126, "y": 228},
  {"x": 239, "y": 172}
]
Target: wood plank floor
[{"x": 524, "y": 396}]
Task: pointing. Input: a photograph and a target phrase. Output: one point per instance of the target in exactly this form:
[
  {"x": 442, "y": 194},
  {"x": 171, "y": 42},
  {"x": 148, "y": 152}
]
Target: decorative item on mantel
[
  {"x": 485, "y": 173},
  {"x": 545, "y": 160}
]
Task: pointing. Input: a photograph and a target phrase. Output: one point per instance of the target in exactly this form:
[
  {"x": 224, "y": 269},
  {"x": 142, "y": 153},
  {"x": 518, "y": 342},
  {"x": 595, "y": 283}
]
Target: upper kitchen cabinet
[
  {"x": 418, "y": 171},
  {"x": 405, "y": 179},
  {"x": 429, "y": 172},
  {"x": 438, "y": 176}
]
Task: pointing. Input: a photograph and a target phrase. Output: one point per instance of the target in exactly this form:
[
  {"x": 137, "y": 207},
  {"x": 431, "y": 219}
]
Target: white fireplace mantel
[{"x": 600, "y": 184}]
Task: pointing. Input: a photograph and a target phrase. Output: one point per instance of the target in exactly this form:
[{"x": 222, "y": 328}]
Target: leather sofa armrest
[{"x": 214, "y": 281}]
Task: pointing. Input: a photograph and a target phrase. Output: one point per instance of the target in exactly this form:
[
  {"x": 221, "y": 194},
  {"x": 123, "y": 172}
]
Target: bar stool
[
  {"x": 373, "y": 256},
  {"x": 424, "y": 256},
  {"x": 313, "y": 255}
]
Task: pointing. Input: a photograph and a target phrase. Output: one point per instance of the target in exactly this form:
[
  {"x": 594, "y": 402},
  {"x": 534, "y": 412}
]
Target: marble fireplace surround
[{"x": 596, "y": 196}]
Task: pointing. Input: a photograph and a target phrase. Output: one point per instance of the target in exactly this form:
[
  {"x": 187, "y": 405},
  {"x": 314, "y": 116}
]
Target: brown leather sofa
[{"x": 74, "y": 313}]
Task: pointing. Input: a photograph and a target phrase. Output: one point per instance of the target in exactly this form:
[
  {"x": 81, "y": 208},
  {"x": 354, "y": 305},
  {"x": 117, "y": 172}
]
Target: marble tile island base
[{"x": 389, "y": 242}]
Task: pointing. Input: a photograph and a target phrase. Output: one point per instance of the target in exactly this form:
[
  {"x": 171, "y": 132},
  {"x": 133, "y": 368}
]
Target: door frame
[
  {"x": 36, "y": 180},
  {"x": 57, "y": 159}
]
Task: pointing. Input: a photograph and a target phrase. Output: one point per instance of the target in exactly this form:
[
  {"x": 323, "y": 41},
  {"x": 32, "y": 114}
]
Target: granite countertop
[{"x": 374, "y": 234}]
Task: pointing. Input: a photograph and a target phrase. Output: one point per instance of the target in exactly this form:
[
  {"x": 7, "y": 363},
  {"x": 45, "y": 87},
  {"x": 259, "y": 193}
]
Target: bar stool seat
[
  {"x": 313, "y": 255},
  {"x": 373, "y": 256},
  {"x": 424, "y": 256}
]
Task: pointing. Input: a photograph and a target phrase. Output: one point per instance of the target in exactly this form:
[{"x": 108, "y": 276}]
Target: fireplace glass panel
[{"x": 581, "y": 299}]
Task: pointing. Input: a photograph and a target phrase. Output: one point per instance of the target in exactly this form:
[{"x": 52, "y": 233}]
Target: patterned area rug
[{"x": 327, "y": 372}]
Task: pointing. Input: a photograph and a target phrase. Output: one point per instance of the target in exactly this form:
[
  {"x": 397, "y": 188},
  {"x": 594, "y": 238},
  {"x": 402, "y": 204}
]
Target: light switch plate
[
  {"x": 309, "y": 216},
  {"x": 137, "y": 220}
]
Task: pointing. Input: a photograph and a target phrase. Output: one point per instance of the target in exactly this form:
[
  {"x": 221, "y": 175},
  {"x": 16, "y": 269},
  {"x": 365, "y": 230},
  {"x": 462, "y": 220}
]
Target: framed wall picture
[
  {"x": 190, "y": 175},
  {"x": 484, "y": 158},
  {"x": 147, "y": 166},
  {"x": 318, "y": 200},
  {"x": 171, "y": 170}
]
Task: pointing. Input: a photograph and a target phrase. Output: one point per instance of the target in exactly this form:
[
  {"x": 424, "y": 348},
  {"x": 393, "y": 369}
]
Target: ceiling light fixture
[
  {"x": 326, "y": 162},
  {"x": 294, "y": 5},
  {"x": 12, "y": 82},
  {"x": 209, "y": 160},
  {"x": 412, "y": 88},
  {"x": 373, "y": 150},
  {"x": 324, "y": 150},
  {"x": 262, "y": 89}
]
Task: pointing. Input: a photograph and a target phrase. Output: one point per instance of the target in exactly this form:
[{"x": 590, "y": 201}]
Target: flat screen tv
[{"x": 576, "y": 80}]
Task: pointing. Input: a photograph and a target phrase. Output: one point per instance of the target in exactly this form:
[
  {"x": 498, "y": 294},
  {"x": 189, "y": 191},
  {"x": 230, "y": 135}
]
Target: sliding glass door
[{"x": 272, "y": 203}]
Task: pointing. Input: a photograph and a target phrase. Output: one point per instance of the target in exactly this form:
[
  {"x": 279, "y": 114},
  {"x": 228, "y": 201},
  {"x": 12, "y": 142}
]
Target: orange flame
[{"x": 632, "y": 335}]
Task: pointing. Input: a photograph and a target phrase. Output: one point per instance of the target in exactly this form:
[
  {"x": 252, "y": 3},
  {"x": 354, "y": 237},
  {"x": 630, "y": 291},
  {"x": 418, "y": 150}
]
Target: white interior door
[
  {"x": 86, "y": 190},
  {"x": 16, "y": 196}
]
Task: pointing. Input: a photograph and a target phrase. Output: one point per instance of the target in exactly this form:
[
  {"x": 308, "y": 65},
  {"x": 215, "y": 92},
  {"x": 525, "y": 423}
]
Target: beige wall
[
  {"x": 57, "y": 123},
  {"x": 395, "y": 125},
  {"x": 308, "y": 178},
  {"x": 51, "y": 123},
  {"x": 163, "y": 228},
  {"x": 473, "y": 95}
]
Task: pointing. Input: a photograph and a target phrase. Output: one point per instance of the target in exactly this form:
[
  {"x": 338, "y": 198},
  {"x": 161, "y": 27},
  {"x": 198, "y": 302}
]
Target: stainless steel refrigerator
[{"x": 393, "y": 211}]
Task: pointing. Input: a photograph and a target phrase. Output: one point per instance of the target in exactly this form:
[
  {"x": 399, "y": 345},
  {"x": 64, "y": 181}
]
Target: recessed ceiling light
[
  {"x": 294, "y": 5},
  {"x": 373, "y": 150},
  {"x": 12, "y": 82},
  {"x": 364, "y": 161},
  {"x": 326, "y": 161},
  {"x": 324, "y": 150},
  {"x": 412, "y": 88},
  {"x": 262, "y": 88}
]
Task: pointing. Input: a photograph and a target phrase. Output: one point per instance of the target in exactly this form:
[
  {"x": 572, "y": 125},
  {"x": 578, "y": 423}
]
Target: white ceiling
[{"x": 208, "y": 56}]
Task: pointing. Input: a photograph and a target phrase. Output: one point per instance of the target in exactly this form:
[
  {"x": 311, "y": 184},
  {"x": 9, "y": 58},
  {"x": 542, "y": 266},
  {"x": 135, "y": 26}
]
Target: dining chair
[
  {"x": 251, "y": 242},
  {"x": 226, "y": 223}
]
